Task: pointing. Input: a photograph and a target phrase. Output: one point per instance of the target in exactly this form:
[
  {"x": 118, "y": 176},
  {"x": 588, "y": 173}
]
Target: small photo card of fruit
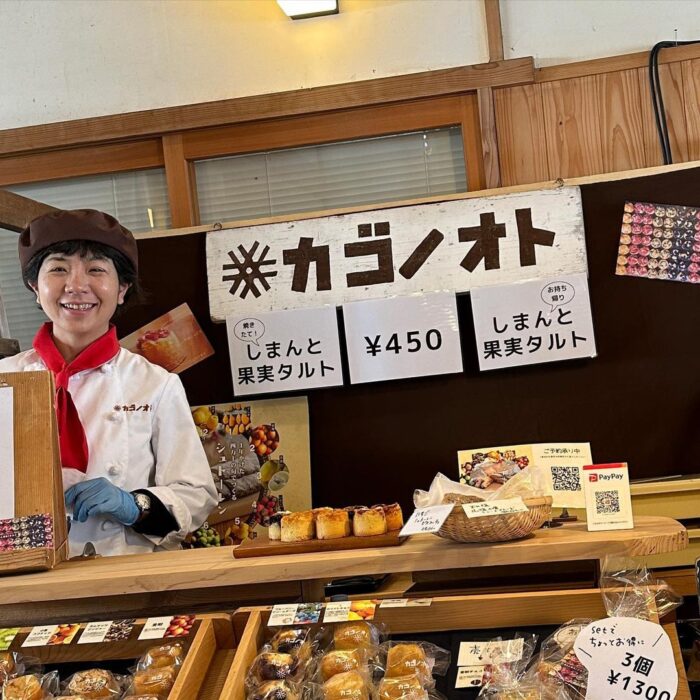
[
  {"x": 7, "y": 636},
  {"x": 350, "y": 610},
  {"x": 175, "y": 341},
  {"x": 65, "y": 634}
]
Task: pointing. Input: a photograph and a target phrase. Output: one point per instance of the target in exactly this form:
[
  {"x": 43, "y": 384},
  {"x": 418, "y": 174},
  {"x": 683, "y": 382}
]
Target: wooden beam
[
  {"x": 489, "y": 137},
  {"x": 611, "y": 64},
  {"x": 182, "y": 191},
  {"x": 16, "y": 211},
  {"x": 361, "y": 93},
  {"x": 494, "y": 32}
]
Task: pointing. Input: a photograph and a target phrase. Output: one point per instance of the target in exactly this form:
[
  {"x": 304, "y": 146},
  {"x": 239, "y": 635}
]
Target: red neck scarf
[{"x": 71, "y": 434}]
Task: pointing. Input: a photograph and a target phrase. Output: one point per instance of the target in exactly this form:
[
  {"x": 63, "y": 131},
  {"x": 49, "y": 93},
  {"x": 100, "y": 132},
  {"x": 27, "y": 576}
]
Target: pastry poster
[
  {"x": 260, "y": 459},
  {"x": 562, "y": 463},
  {"x": 175, "y": 341},
  {"x": 660, "y": 241}
]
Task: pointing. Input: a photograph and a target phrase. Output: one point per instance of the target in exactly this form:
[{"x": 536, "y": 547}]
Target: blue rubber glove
[{"x": 101, "y": 497}]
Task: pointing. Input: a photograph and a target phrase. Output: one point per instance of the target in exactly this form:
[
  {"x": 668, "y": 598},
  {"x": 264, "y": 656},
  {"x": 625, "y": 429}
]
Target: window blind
[
  {"x": 139, "y": 199},
  {"x": 364, "y": 171}
]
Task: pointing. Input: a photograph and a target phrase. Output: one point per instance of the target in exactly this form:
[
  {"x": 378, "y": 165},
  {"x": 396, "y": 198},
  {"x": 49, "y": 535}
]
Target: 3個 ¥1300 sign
[{"x": 446, "y": 246}]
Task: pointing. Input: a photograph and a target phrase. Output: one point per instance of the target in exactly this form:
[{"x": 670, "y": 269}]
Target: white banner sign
[
  {"x": 403, "y": 337},
  {"x": 284, "y": 351},
  {"x": 398, "y": 251},
  {"x": 627, "y": 659},
  {"x": 532, "y": 322},
  {"x": 7, "y": 454}
]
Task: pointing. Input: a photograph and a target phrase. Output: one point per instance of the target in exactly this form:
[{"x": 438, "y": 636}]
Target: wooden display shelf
[
  {"x": 186, "y": 574},
  {"x": 209, "y": 644},
  {"x": 476, "y": 612}
]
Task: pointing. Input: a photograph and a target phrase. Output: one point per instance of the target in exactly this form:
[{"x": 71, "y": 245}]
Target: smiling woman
[{"x": 134, "y": 472}]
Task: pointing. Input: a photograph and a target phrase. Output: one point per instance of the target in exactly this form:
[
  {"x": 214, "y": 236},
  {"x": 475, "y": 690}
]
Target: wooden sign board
[
  {"x": 38, "y": 482},
  {"x": 448, "y": 246}
]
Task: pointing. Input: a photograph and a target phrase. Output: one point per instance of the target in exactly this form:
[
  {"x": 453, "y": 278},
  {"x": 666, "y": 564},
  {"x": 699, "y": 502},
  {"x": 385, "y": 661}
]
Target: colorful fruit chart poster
[
  {"x": 561, "y": 464},
  {"x": 260, "y": 459},
  {"x": 175, "y": 341}
]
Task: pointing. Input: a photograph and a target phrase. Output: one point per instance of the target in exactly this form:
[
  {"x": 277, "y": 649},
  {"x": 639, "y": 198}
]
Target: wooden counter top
[{"x": 216, "y": 567}]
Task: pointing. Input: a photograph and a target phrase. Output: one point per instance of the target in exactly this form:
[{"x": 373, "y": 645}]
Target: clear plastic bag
[
  {"x": 405, "y": 688},
  {"x": 561, "y": 673},
  {"x": 31, "y": 686},
  {"x": 93, "y": 681},
  {"x": 420, "y": 659},
  {"x": 629, "y": 590},
  {"x": 299, "y": 642},
  {"x": 509, "y": 661},
  {"x": 164, "y": 656},
  {"x": 11, "y": 666},
  {"x": 349, "y": 685},
  {"x": 274, "y": 666},
  {"x": 153, "y": 681},
  {"x": 276, "y": 690}
]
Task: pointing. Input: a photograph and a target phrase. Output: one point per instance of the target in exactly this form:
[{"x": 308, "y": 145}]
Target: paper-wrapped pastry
[{"x": 94, "y": 683}]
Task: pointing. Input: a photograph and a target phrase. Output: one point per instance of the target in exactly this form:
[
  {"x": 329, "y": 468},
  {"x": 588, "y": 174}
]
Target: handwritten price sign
[{"x": 426, "y": 520}]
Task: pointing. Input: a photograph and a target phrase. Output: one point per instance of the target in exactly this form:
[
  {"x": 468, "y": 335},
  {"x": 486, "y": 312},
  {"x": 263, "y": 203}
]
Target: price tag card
[
  {"x": 606, "y": 488},
  {"x": 155, "y": 627},
  {"x": 282, "y": 615},
  {"x": 7, "y": 636},
  {"x": 95, "y": 632},
  {"x": 39, "y": 636},
  {"x": 483, "y": 653},
  {"x": 627, "y": 659},
  {"x": 7, "y": 454},
  {"x": 470, "y": 676},
  {"x": 406, "y": 602},
  {"x": 426, "y": 520},
  {"x": 504, "y": 506},
  {"x": 349, "y": 610}
]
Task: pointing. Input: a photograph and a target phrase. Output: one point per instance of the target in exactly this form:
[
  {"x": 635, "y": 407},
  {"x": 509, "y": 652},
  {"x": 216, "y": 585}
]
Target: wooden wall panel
[
  {"x": 650, "y": 138},
  {"x": 572, "y": 111},
  {"x": 621, "y": 132},
  {"x": 522, "y": 145},
  {"x": 691, "y": 92}
]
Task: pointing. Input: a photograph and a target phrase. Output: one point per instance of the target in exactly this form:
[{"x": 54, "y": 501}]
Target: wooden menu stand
[{"x": 38, "y": 481}]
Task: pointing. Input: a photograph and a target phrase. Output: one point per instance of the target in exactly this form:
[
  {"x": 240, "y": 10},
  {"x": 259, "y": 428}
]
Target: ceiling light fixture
[{"x": 303, "y": 9}]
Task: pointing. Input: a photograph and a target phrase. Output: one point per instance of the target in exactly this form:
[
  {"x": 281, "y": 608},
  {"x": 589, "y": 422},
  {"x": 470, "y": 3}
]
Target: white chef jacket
[{"x": 140, "y": 435}]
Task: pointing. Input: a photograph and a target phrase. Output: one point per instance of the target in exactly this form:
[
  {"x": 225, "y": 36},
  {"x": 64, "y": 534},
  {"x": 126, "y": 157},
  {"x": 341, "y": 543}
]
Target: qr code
[
  {"x": 607, "y": 502},
  {"x": 566, "y": 479}
]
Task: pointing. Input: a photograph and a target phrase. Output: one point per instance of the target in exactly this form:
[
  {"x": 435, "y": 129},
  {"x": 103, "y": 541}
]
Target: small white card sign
[
  {"x": 489, "y": 652},
  {"x": 95, "y": 632},
  {"x": 423, "y": 521},
  {"x": 470, "y": 677},
  {"x": 503, "y": 506},
  {"x": 528, "y": 323},
  {"x": 284, "y": 351},
  {"x": 155, "y": 627},
  {"x": 402, "y": 337},
  {"x": 7, "y": 454},
  {"x": 608, "y": 497},
  {"x": 39, "y": 636},
  {"x": 627, "y": 659}
]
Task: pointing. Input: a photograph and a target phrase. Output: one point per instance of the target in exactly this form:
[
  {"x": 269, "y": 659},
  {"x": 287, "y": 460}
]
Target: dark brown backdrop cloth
[{"x": 638, "y": 401}]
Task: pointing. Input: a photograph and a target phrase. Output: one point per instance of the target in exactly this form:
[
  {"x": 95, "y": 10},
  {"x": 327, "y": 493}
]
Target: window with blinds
[
  {"x": 139, "y": 199},
  {"x": 365, "y": 171}
]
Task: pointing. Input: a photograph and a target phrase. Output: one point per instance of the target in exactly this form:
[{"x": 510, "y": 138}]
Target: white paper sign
[
  {"x": 284, "y": 351},
  {"x": 627, "y": 659},
  {"x": 484, "y": 653},
  {"x": 406, "y": 603},
  {"x": 470, "y": 676},
  {"x": 282, "y": 615},
  {"x": 396, "y": 251},
  {"x": 563, "y": 464},
  {"x": 95, "y": 632},
  {"x": 608, "y": 497},
  {"x": 155, "y": 627},
  {"x": 426, "y": 520},
  {"x": 503, "y": 506},
  {"x": 337, "y": 611},
  {"x": 39, "y": 636},
  {"x": 7, "y": 454},
  {"x": 413, "y": 336},
  {"x": 532, "y": 322}
]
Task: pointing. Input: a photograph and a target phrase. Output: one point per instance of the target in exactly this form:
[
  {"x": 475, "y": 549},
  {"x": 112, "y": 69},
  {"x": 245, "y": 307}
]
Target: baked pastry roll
[
  {"x": 350, "y": 685},
  {"x": 355, "y": 635},
  {"x": 272, "y": 666},
  {"x": 167, "y": 655},
  {"x": 333, "y": 524},
  {"x": 340, "y": 661},
  {"x": 295, "y": 641},
  {"x": 275, "y": 690},
  {"x": 94, "y": 683},
  {"x": 368, "y": 522},
  {"x": 407, "y": 660},
  {"x": 298, "y": 527},
  {"x": 23, "y": 688},
  {"x": 401, "y": 688},
  {"x": 393, "y": 515},
  {"x": 153, "y": 681}
]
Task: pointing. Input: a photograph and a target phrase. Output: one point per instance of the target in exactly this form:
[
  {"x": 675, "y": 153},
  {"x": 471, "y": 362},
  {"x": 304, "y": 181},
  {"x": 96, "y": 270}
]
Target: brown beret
[{"x": 76, "y": 225}]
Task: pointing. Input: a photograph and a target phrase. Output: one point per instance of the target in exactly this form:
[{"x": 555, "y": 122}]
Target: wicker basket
[{"x": 494, "y": 528}]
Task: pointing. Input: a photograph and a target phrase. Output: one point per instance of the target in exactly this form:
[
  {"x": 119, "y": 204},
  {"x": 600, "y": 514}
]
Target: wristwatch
[{"x": 143, "y": 503}]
